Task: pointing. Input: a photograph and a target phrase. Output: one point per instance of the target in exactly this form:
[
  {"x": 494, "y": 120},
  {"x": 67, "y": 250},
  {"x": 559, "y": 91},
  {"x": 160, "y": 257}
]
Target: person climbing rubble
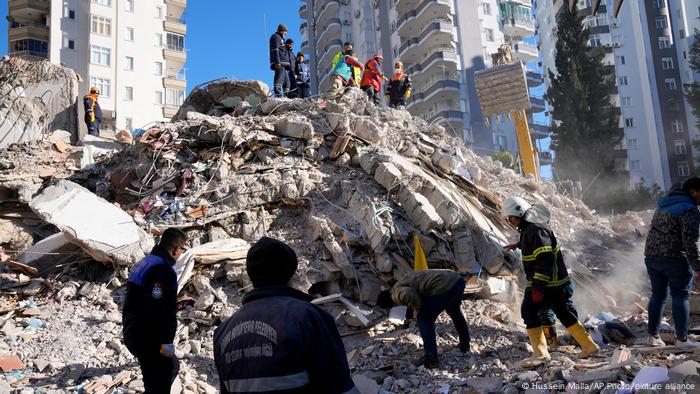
[
  {"x": 398, "y": 90},
  {"x": 279, "y": 61},
  {"x": 93, "y": 112},
  {"x": 372, "y": 78},
  {"x": 149, "y": 314},
  {"x": 342, "y": 74},
  {"x": 548, "y": 282},
  {"x": 429, "y": 293},
  {"x": 278, "y": 341},
  {"x": 671, "y": 258}
]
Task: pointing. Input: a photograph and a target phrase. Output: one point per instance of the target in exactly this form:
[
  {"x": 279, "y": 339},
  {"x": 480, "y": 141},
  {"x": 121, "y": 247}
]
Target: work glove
[
  {"x": 537, "y": 295},
  {"x": 408, "y": 93},
  {"x": 511, "y": 246},
  {"x": 387, "y": 98},
  {"x": 167, "y": 350},
  {"x": 92, "y": 117},
  {"x": 278, "y": 66}
]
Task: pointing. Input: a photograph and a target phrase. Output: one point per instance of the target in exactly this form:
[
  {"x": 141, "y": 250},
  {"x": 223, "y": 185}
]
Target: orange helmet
[{"x": 94, "y": 90}]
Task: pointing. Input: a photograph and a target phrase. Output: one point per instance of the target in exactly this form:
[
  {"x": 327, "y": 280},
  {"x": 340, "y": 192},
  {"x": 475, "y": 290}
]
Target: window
[
  {"x": 106, "y": 3},
  {"x": 667, "y": 63},
  {"x": 348, "y": 37},
  {"x": 659, "y": 3},
  {"x": 129, "y": 63},
  {"x": 629, "y": 122},
  {"x": 101, "y": 25},
  {"x": 70, "y": 44},
  {"x": 159, "y": 97},
  {"x": 129, "y": 93},
  {"x": 159, "y": 12},
  {"x": 670, "y": 83},
  {"x": 664, "y": 42},
  {"x": 103, "y": 84},
  {"x": 176, "y": 42},
  {"x": 174, "y": 97},
  {"x": 683, "y": 168},
  {"x": 679, "y": 147},
  {"x": 501, "y": 142},
  {"x": 620, "y": 59},
  {"x": 158, "y": 40},
  {"x": 489, "y": 34},
  {"x": 622, "y": 80},
  {"x": 71, "y": 14},
  {"x": 595, "y": 40},
  {"x": 130, "y": 34},
  {"x": 677, "y": 126},
  {"x": 486, "y": 8},
  {"x": 661, "y": 22},
  {"x": 128, "y": 123},
  {"x": 635, "y": 165},
  {"x": 130, "y": 5},
  {"x": 632, "y": 144},
  {"x": 100, "y": 55},
  {"x": 626, "y": 101},
  {"x": 159, "y": 68}
]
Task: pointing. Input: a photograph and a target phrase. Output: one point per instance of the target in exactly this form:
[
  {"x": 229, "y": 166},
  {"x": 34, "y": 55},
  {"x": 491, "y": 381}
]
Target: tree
[
  {"x": 506, "y": 158},
  {"x": 585, "y": 125},
  {"x": 692, "y": 90}
]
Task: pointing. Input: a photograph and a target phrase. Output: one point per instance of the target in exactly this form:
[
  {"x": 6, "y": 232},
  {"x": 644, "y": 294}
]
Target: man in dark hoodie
[
  {"x": 279, "y": 61},
  {"x": 149, "y": 315},
  {"x": 278, "y": 341},
  {"x": 672, "y": 259}
]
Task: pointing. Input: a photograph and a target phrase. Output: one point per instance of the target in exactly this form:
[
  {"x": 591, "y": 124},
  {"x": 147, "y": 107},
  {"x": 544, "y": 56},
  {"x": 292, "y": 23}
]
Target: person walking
[
  {"x": 372, "y": 78},
  {"x": 278, "y": 341},
  {"x": 279, "y": 60},
  {"x": 149, "y": 313},
  {"x": 671, "y": 259},
  {"x": 429, "y": 293},
  {"x": 398, "y": 90},
  {"x": 303, "y": 77},
  {"x": 93, "y": 112}
]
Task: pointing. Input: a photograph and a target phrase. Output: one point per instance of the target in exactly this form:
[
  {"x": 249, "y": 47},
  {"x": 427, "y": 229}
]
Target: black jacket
[
  {"x": 397, "y": 87},
  {"x": 91, "y": 104},
  {"x": 278, "y": 51},
  {"x": 279, "y": 342},
  {"x": 542, "y": 258},
  {"x": 149, "y": 315}
]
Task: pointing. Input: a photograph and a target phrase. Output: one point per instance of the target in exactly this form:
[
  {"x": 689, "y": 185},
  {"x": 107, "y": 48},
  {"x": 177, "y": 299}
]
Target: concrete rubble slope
[{"x": 348, "y": 185}]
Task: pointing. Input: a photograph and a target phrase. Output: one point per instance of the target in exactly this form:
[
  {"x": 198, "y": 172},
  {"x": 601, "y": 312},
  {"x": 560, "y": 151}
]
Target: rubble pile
[{"x": 348, "y": 185}]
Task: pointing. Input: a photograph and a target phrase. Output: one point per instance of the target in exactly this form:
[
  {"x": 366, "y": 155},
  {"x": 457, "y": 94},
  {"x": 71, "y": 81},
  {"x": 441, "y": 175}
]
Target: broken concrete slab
[
  {"x": 101, "y": 229},
  {"x": 295, "y": 127}
]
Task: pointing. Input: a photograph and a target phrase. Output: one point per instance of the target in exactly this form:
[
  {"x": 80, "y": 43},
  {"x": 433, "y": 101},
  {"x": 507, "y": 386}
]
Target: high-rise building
[
  {"x": 646, "y": 48},
  {"x": 132, "y": 50},
  {"x": 442, "y": 43}
]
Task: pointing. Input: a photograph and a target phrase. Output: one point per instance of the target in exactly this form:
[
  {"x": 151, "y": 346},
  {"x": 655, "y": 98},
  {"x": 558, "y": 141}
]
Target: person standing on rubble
[
  {"x": 291, "y": 91},
  {"x": 303, "y": 77},
  {"x": 429, "y": 293},
  {"x": 372, "y": 78},
  {"x": 278, "y": 341},
  {"x": 279, "y": 61},
  {"x": 149, "y": 314},
  {"x": 342, "y": 74},
  {"x": 671, "y": 258},
  {"x": 93, "y": 112},
  {"x": 548, "y": 282},
  {"x": 398, "y": 90}
]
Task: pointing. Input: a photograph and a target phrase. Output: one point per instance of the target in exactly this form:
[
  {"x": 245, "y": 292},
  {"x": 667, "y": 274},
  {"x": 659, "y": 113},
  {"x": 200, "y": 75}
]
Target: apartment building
[
  {"x": 442, "y": 43},
  {"x": 132, "y": 50},
  {"x": 646, "y": 48}
]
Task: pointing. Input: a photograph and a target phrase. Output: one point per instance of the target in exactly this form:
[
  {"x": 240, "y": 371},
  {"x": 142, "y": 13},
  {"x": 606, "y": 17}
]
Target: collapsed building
[{"x": 350, "y": 186}]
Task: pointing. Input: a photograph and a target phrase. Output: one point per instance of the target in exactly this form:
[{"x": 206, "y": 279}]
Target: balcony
[
  {"x": 20, "y": 31},
  {"x": 169, "y": 111},
  {"x": 538, "y": 130},
  {"x": 175, "y": 81},
  {"x": 305, "y": 46},
  {"x": 325, "y": 56},
  {"x": 517, "y": 27},
  {"x": 302, "y": 11},
  {"x": 329, "y": 10},
  {"x": 404, "y": 6},
  {"x": 440, "y": 33},
  {"x": 175, "y": 57},
  {"x": 410, "y": 23},
  {"x": 175, "y": 8},
  {"x": 545, "y": 158},
  {"x": 538, "y": 104},
  {"x": 175, "y": 25},
  {"x": 30, "y": 8},
  {"x": 30, "y": 55},
  {"x": 442, "y": 62},
  {"x": 525, "y": 52},
  {"x": 447, "y": 116},
  {"x": 534, "y": 78},
  {"x": 441, "y": 90},
  {"x": 303, "y": 28},
  {"x": 331, "y": 30}
]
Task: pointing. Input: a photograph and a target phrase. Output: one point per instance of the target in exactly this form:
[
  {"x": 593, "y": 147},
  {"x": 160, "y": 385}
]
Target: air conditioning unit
[
  {"x": 358, "y": 13},
  {"x": 616, "y": 24},
  {"x": 346, "y": 22},
  {"x": 617, "y": 44},
  {"x": 607, "y": 44}
]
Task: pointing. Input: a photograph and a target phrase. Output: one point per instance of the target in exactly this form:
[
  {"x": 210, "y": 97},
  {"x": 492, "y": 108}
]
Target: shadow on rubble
[
  {"x": 203, "y": 366},
  {"x": 73, "y": 374}
]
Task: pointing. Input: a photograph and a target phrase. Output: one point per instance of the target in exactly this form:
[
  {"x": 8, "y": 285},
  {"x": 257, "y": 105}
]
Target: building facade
[
  {"x": 132, "y": 50},
  {"x": 442, "y": 43}
]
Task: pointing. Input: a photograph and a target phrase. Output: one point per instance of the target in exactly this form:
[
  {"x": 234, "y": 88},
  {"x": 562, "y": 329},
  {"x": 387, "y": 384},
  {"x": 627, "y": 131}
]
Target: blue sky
[{"x": 225, "y": 38}]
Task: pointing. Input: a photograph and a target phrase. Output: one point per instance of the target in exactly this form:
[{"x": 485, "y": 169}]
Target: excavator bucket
[{"x": 502, "y": 89}]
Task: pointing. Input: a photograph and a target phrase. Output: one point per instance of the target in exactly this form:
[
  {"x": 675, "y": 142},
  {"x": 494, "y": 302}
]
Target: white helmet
[{"x": 515, "y": 206}]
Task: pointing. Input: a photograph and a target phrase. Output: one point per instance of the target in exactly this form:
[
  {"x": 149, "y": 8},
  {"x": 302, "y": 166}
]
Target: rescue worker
[
  {"x": 346, "y": 47},
  {"x": 398, "y": 90},
  {"x": 548, "y": 283},
  {"x": 278, "y": 341},
  {"x": 342, "y": 74},
  {"x": 429, "y": 293},
  {"x": 303, "y": 77},
  {"x": 671, "y": 258},
  {"x": 149, "y": 319},
  {"x": 93, "y": 112},
  {"x": 356, "y": 72},
  {"x": 372, "y": 78},
  {"x": 292, "y": 91},
  {"x": 279, "y": 60}
]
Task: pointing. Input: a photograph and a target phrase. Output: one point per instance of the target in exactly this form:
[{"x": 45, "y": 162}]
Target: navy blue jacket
[
  {"x": 303, "y": 74},
  {"x": 149, "y": 314},
  {"x": 279, "y": 54},
  {"x": 279, "y": 342}
]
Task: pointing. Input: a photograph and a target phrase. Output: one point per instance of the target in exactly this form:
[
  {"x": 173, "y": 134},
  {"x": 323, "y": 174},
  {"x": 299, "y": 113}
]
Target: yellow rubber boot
[
  {"x": 579, "y": 333},
  {"x": 550, "y": 333},
  {"x": 540, "y": 355}
]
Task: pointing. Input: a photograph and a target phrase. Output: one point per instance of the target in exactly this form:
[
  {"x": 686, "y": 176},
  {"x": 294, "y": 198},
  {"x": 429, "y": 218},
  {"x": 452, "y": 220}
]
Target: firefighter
[
  {"x": 548, "y": 282},
  {"x": 93, "y": 112},
  {"x": 398, "y": 90},
  {"x": 372, "y": 78}
]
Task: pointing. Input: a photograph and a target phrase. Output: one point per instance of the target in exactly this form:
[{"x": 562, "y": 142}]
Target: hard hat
[
  {"x": 378, "y": 56},
  {"x": 515, "y": 206},
  {"x": 398, "y": 64},
  {"x": 94, "y": 90}
]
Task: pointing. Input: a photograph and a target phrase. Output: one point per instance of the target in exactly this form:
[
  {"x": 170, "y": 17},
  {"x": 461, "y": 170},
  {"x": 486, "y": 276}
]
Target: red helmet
[{"x": 378, "y": 56}]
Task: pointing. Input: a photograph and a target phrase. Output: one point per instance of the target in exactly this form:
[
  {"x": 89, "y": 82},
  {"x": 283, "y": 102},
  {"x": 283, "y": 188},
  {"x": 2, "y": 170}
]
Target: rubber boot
[
  {"x": 540, "y": 355},
  {"x": 550, "y": 332},
  {"x": 579, "y": 333}
]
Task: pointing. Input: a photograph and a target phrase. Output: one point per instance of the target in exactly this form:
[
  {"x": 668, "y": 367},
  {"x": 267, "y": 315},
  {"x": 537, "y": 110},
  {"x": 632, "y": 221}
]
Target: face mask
[{"x": 397, "y": 70}]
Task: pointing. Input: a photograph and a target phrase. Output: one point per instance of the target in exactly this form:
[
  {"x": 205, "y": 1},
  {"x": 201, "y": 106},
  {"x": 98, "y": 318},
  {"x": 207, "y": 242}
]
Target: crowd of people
[{"x": 292, "y": 77}]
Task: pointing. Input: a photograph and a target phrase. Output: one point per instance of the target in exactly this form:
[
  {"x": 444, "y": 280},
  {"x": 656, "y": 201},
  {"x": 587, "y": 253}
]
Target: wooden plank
[
  {"x": 328, "y": 298},
  {"x": 355, "y": 311},
  {"x": 23, "y": 268}
]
